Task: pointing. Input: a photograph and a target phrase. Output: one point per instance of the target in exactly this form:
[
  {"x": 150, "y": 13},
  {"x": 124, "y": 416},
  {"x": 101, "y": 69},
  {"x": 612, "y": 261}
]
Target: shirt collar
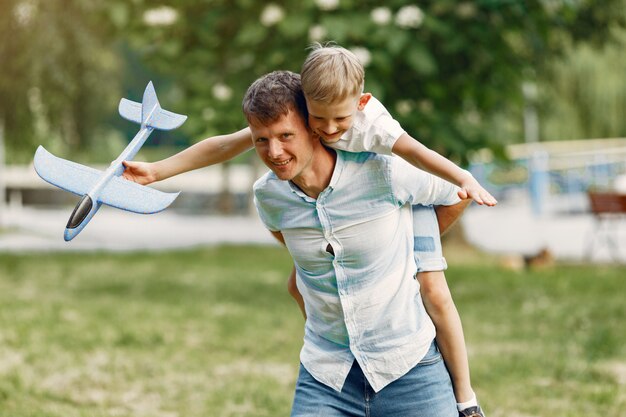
[
  {"x": 339, "y": 165},
  {"x": 297, "y": 191}
]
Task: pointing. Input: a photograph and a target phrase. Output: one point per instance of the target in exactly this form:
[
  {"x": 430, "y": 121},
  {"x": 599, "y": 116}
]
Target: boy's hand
[
  {"x": 140, "y": 172},
  {"x": 470, "y": 188}
]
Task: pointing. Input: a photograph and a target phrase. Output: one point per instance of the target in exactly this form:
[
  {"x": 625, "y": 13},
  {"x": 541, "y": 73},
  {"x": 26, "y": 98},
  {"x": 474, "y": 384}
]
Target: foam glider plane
[{"x": 109, "y": 187}]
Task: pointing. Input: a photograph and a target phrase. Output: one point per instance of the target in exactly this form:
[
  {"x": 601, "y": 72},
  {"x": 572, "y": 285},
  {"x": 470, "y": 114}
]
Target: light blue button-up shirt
[{"x": 362, "y": 302}]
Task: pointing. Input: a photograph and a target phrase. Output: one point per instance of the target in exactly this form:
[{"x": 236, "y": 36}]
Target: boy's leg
[
  {"x": 438, "y": 300},
  {"x": 441, "y": 309}
]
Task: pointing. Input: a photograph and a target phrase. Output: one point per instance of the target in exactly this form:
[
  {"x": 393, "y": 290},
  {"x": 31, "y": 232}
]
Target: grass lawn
[{"x": 213, "y": 332}]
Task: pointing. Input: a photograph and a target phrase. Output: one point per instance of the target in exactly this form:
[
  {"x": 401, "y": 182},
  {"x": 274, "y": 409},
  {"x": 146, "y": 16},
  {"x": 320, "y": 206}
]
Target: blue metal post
[{"x": 538, "y": 181}]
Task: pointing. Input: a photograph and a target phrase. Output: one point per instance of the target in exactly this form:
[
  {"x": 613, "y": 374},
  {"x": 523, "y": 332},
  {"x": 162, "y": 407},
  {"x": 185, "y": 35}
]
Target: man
[{"x": 346, "y": 221}]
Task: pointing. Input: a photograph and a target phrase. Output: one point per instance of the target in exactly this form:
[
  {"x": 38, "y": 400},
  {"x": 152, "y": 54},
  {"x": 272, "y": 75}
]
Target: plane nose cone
[
  {"x": 69, "y": 234},
  {"x": 79, "y": 218}
]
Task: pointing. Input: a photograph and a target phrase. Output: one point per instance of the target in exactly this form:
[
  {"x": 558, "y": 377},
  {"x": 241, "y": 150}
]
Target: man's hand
[
  {"x": 140, "y": 172},
  {"x": 471, "y": 189},
  {"x": 448, "y": 215}
]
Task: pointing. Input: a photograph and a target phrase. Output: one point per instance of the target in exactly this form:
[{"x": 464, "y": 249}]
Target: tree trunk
[
  {"x": 2, "y": 177},
  {"x": 226, "y": 203}
]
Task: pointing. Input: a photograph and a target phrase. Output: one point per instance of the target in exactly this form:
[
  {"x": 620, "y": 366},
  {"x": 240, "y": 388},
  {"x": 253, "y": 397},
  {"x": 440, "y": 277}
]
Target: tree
[
  {"x": 443, "y": 68},
  {"x": 59, "y": 72},
  {"x": 584, "y": 94}
]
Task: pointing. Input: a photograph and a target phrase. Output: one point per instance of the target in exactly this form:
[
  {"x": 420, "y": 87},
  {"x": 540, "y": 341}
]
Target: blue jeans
[
  {"x": 425, "y": 391},
  {"x": 427, "y": 241}
]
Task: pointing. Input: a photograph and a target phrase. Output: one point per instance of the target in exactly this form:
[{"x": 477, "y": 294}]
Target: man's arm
[
  {"x": 448, "y": 215},
  {"x": 292, "y": 287}
]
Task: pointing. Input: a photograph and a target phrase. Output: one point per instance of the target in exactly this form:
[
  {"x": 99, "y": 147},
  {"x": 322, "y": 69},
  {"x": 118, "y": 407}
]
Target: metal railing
[{"x": 555, "y": 176}]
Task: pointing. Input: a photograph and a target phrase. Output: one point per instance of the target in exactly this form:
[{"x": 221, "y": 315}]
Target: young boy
[{"x": 346, "y": 118}]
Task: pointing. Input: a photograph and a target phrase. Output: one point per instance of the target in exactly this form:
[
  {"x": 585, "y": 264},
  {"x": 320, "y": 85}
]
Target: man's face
[
  {"x": 331, "y": 120},
  {"x": 285, "y": 146}
]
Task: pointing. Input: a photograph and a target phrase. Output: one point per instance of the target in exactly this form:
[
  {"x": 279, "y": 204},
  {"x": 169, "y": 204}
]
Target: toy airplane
[{"x": 108, "y": 187}]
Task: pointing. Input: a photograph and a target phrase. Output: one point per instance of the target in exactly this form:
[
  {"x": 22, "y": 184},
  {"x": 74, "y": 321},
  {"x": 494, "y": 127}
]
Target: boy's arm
[
  {"x": 292, "y": 287},
  {"x": 210, "y": 151},
  {"x": 420, "y": 156}
]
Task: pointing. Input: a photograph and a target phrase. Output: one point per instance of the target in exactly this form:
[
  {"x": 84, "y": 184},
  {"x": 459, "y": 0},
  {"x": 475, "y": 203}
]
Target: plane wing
[
  {"x": 118, "y": 193},
  {"x": 68, "y": 175},
  {"x": 128, "y": 195}
]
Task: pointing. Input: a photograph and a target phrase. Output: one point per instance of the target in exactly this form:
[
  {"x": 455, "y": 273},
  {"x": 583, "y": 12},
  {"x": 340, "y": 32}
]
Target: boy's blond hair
[{"x": 331, "y": 73}]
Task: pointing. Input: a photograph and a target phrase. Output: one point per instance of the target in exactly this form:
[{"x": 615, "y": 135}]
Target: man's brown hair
[{"x": 273, "y": 96}]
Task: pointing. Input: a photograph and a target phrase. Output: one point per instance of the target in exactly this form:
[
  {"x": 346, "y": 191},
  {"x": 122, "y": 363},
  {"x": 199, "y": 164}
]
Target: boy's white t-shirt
[{"x": 373, "y": 130}]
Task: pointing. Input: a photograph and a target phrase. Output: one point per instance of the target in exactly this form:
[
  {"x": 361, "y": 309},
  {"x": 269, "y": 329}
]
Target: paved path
[
  {"x": 504, "y": 229},
  {"x": 37, "y": 229},
  {"x": 513, "y": 229}
]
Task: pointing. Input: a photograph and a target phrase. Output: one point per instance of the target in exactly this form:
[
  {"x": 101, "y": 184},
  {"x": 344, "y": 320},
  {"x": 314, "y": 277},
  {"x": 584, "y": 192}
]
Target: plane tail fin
[{"x": 149, "y": 112}]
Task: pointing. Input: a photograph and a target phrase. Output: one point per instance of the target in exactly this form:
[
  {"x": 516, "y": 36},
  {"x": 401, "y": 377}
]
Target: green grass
[
  {"x": 212, "y": 332},
  {"x": 546, "y": 343}
]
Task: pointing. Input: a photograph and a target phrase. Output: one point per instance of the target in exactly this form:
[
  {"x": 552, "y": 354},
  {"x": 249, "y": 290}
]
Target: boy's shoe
[{"x": 472, "y": 412}]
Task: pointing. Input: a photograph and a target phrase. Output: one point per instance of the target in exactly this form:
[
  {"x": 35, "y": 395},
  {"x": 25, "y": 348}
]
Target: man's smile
[{"x": 282, "y": 163}]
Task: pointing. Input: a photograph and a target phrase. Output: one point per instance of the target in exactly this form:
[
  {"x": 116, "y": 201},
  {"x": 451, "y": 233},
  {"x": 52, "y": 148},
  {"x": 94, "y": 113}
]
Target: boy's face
[{"x": 331, "y": 120}]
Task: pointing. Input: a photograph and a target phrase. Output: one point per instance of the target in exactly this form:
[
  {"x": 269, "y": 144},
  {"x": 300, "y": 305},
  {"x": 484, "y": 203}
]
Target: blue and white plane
[{"x": 109, "y": 187}]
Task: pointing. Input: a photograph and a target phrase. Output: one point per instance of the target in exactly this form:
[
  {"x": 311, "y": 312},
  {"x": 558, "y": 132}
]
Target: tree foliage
[
  {"x": 444, "y": 68},
  {"x": 57, "y": 72},
  {"x": 584, "y": 94}
]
